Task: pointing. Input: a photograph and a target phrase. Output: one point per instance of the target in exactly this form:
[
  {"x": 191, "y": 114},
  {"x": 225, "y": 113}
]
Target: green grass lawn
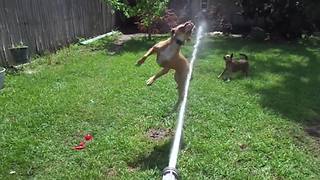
[{"x": 247, "y": 128}]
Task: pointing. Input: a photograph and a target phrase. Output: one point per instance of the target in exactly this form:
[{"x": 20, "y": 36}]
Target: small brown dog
[
  {"x": 170, "y": 57},
  {"x": 234, "y": 65}
]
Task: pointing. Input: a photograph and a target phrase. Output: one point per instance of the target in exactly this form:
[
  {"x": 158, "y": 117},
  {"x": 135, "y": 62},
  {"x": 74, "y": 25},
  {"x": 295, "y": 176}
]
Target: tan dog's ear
[
  {"x": 231, "y": 56},
  {"x": 226, "y": 57},
  {"x": 188, "y": 22},
  {"x": 172, "y": 31}
]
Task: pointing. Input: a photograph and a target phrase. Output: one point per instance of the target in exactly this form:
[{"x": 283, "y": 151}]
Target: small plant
[
  {"x": 2, "y": 76},
  {"x": 147, "y": 11}
]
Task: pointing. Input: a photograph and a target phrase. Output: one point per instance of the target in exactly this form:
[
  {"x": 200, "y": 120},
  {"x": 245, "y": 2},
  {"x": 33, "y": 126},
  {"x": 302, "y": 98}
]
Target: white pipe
[{"x": 97, "y": 38}]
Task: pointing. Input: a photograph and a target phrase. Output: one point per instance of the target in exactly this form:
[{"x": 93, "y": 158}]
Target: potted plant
[
  {"x": 2, "y": 76},
  {"x": 20, "y": 53}
]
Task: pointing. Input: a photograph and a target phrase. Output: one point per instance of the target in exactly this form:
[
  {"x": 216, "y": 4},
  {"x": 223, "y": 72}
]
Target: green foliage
[
  {"x": 147, "y": 10},
  {"x": 282, "y": 18},
  {"x": 313, "y": 13},
  {"x": 120, "y": 6}
]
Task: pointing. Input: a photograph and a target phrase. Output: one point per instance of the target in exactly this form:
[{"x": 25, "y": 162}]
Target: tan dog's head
[
  {"x": 228, "y": 57},
  {"x": 183, "y": 31}
]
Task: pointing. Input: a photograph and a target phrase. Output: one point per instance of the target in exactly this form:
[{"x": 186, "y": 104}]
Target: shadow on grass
[
  {"x": 295, "y": 95},
  {"x": 139, "y": 44},
  {"x": 288, "y": 71},
  {"x": 157, "y": 159}
]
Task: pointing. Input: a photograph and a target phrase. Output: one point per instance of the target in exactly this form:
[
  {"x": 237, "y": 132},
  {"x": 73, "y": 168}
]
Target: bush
[
  {"x": 146, "y": 10},
  {"x": 161, "y": 24},
  {"x": 287, "y": 19}
]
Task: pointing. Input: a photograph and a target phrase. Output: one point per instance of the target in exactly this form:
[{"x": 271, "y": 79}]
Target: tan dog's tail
[{"x": 245, "y": 56}]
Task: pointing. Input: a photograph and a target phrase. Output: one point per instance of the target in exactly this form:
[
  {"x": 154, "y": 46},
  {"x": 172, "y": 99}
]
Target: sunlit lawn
[{"x": 249, "y": 127}]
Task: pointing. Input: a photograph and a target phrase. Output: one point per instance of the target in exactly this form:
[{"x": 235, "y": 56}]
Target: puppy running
[
  {"x": 234, "y": 65},
  {"x": 170, "y": 57}
]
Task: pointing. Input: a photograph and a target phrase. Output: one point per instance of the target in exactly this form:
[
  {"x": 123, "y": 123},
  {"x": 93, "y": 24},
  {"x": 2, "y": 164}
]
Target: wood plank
[{"x": 49, "y": 25}]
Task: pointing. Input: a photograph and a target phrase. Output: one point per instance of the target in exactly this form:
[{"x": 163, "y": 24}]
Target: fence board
[{"x": 49, "y": 25}]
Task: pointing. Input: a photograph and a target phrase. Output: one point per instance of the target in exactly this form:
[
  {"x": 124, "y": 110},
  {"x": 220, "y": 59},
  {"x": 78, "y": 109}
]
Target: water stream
[{"x": 178, "y": 135}]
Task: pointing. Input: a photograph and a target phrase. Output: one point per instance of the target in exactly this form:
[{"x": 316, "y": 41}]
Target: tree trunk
[{"x": 149, "y": 33}]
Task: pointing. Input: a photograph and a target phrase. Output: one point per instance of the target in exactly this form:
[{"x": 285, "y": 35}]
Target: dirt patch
[
  {"x": 159, "y": 134},
  {"x": 126, "y": 37},
  {"x": 115, "y": 48},
  {"x": 156, "y": 158},
  {"x": 111, "y": 172},
  {"x": 313, "y": 129},
  {"x": 133, "y": 169},
  {"x": 118, "y": 45},
  {"x": 243, "y": 146},
  {"x": 30, "y": 72}
]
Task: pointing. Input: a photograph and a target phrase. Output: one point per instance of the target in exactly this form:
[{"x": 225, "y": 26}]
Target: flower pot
[
  {"x": 2, "y": 76},
  {"x": 20, "y": 54}
]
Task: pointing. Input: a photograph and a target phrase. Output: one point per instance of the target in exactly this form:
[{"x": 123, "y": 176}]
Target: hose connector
[{"x": 170, "y": 173}]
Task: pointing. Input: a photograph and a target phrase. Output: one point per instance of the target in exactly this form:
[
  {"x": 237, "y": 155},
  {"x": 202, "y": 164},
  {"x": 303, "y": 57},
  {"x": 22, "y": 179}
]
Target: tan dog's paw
[
  {"x": 140, "y": 62},
  {"x": 150, "y": 81}
]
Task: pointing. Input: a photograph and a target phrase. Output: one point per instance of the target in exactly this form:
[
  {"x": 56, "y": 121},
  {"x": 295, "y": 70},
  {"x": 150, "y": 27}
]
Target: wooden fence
[{"x": 46, "y": 25}]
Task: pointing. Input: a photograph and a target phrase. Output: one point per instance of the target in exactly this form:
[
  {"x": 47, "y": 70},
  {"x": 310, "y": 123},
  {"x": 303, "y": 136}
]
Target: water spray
[{"x": 170, "y": 172}]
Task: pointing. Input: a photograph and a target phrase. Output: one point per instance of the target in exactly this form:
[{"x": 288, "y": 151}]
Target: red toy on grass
[
  {"x": 82, "y": 144},
  {"x": 88, "y": 137}
]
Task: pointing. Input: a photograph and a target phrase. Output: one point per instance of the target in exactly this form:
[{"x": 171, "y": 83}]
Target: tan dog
[
  {"x": 233, "y": 65},
  {"x": 170, "y": 57}
]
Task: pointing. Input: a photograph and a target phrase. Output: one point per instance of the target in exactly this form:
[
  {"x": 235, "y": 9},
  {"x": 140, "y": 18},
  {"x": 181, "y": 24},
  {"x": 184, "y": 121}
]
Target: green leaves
[
  {"x": 146, "y": 10},
  {"x": 288, "y": 19},
  {"x": 141, "y": 8}
]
